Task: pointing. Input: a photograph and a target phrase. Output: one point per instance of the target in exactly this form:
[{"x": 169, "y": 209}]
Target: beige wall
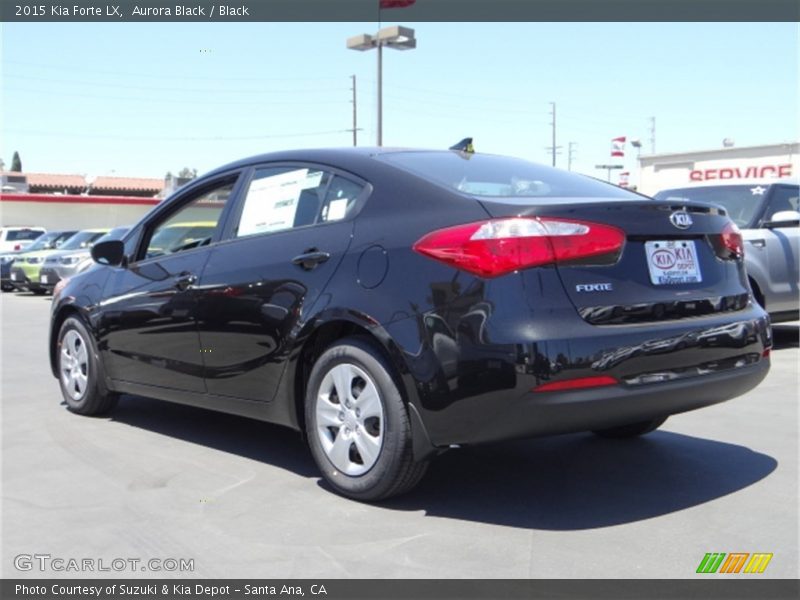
[{"x": 58, "y": 215}]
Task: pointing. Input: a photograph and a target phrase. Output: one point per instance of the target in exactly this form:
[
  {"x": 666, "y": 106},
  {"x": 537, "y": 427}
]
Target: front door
[{"x": 148, "y": 318}]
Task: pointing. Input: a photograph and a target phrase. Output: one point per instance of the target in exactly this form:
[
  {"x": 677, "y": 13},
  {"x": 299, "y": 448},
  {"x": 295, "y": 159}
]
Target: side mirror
[
  {"x": 111, "y": 253},
  {"x": 784, "y": 218}
]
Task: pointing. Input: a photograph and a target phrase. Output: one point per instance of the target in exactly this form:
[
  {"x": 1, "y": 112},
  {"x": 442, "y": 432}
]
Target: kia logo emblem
[{"x": 681, "y": 220}]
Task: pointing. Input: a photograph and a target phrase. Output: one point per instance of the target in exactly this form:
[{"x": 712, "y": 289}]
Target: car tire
[
  {"x": 79, "y": 373},
  {"x": 631, "y": 430},
  {"x": 362, "y": 445},
  {"x": 39, "y": 291}
]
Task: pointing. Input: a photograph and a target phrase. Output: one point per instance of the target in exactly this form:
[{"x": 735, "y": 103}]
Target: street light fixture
[{"x": 397, "y": 38}]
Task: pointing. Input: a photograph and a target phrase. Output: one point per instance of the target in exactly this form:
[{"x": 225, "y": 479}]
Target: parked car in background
[
  {"x": 52, "y": 240},
  {"x": 25, "y": 272},
  {"x": 66, "y": 263},
  {"x": 395, "y": 304},
  {"x": 18, "y": 238},
  {"x": 768, "y": 215}
]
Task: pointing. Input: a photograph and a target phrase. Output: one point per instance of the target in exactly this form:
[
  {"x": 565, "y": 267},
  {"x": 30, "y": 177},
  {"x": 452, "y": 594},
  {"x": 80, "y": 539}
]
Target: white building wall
[
  {"x": 64, "y": 215},
  {"x": 663, "y": 171}
]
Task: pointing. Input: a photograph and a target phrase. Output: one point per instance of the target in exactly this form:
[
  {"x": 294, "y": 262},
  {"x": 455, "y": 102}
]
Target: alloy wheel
[{"x": 74, "y": 364}]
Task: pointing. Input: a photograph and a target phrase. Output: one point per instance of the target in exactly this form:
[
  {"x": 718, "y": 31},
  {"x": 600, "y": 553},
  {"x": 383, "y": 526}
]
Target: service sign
[{"x": 672, "y": 262}]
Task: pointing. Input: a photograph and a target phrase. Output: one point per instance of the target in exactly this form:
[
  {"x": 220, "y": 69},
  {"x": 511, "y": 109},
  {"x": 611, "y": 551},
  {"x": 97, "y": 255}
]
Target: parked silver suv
[{"x": 767, "y": 212}]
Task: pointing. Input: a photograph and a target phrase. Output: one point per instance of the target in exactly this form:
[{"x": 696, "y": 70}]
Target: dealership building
[{"x": 774, "y": 161}]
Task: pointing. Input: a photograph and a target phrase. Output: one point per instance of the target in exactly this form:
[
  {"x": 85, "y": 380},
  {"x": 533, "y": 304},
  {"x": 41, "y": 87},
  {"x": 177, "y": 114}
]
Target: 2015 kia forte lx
[{"x": 391, "y": 304}]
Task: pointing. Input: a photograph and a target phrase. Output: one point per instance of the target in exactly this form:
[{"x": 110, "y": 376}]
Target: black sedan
[{"x": 393, "y": 304}]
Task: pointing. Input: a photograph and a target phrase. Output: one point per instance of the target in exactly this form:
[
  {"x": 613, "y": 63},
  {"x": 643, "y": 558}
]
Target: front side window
[
  {"x": 281, "y": 198},
  {"x": 192, "y": 226},
  {"x": 783, "y": 198}
]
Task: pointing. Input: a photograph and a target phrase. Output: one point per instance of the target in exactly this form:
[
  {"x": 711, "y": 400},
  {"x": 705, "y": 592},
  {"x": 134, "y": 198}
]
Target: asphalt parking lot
[{"x": 243, "y": 499}]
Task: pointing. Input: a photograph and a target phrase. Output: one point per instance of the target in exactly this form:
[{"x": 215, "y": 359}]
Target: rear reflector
[
  {"x": 576, "y": 384},
  {"x": 499, "y": 246},
  {"x": 766, "y": 353}
]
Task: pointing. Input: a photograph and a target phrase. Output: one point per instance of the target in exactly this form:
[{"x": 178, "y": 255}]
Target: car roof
[{"x": 340, "y": 156}]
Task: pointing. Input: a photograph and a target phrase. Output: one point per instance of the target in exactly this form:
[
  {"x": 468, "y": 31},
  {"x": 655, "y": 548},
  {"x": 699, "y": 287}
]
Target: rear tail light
[
  {"x": 499, "y": 246},
  {"x": 577, "y": 384},
  {"x": 732, "y": 244}
]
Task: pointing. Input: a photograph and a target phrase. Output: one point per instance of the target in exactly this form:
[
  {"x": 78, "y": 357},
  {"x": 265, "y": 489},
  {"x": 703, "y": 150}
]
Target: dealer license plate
[
  {"x": 43, "y": 279},
  {"x": 13, "y": 277},
  {"x": 672, "y": 262}
]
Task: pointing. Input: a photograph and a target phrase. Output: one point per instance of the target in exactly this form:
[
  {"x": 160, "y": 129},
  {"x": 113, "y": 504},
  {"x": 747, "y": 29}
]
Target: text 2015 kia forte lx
[{"x": 390, "y": 304}]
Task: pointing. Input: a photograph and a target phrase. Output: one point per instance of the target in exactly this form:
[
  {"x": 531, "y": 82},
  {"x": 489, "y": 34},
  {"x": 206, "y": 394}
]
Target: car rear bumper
[
  {"x": 468, "y": 392},
  {"x": 549, "y": 413}
]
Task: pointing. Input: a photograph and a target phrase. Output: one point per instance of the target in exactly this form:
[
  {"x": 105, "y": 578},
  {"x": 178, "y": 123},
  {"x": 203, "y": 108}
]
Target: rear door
[{"x": 285, "y": 241}]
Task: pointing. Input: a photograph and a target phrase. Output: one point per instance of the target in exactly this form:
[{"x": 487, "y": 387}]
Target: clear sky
[{"x": 139, "y": 99}]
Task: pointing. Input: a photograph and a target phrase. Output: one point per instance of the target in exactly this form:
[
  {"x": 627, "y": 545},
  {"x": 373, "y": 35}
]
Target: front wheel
[
  {"x": 632, "y": 429},
  {"x": 78, "y": 371},
  {"x": 357, "y": 424}
]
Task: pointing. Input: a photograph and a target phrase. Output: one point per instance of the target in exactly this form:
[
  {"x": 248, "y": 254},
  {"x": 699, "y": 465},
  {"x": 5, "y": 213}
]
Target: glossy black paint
[{"x": 235, "y": 325}]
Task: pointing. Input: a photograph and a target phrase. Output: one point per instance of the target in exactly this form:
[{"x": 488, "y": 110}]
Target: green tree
[
  {"x": 16, "y": 162},
  {"x": 187, "y": 173}
]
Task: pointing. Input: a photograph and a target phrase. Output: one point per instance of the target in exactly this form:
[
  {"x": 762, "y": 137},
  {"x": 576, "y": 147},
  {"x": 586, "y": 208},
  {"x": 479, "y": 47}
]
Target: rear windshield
[
  {"x": 743, "y": 202},
  {"x": 490, "y": 176},
  {"x": 82, "y": 239},
  {"x": 23, "y": 235}
]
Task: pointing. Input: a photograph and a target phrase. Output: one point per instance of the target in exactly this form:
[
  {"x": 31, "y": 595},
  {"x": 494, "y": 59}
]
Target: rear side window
[
  {"x": 501, "y": 177},
  {"x": 281, "y": 198}
]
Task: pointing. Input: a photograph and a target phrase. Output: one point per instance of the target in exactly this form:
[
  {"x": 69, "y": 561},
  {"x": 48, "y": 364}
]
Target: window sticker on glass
[
  {"x": 272, "y": 201},
  {"x": 337, "y": 209}
]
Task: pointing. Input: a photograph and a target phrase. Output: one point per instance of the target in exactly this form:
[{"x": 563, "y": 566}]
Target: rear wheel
[
  {"x": 78, "y": 372},
  {"x": 357, "y": 424},
  {"x": 632, "y": 429}
]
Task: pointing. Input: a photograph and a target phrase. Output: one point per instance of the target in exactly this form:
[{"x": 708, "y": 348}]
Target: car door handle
[
  {"x": 310, "y": 259},
  {"x": 758, "y": 243},
  {"x": 185, "y": 280}
]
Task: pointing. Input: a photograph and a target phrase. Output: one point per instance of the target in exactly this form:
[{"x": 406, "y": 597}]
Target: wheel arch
[{"x": 326, "y": 332}]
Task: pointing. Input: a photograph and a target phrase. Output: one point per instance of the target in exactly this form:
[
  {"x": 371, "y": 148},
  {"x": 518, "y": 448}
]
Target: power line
[
  {"x": 172, "y": 139},
  {"x": 214, "y": 90},
  {"x": 62, "y": 68}
]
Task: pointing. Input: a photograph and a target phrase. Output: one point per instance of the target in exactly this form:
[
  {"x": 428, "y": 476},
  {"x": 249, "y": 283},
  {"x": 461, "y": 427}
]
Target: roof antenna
[{"x": 464, "y": 145}]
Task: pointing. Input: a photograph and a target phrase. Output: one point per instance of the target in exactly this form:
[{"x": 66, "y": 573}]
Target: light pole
[{"x": 397, "y": 37}]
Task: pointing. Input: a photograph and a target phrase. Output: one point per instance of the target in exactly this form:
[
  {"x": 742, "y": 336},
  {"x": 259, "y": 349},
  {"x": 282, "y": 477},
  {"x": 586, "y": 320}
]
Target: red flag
[
  {"x": 396, "y": 3},
  {"x": 618, "y": 146}
]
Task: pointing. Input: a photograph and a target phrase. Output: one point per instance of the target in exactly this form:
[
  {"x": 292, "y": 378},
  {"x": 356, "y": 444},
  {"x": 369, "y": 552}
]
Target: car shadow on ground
[
  {"x": 785, "y": 336},
  {"x": 568, "y": 482},
  {"x": 579, "y": 481}
]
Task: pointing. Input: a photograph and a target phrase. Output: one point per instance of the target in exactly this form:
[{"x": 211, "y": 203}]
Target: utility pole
[
  {"x": 554, "y": 149},
  {"x": 355, "y": 113},
  {"x": 571, "y": 147},
  {"x": 652, "y": 135}
]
